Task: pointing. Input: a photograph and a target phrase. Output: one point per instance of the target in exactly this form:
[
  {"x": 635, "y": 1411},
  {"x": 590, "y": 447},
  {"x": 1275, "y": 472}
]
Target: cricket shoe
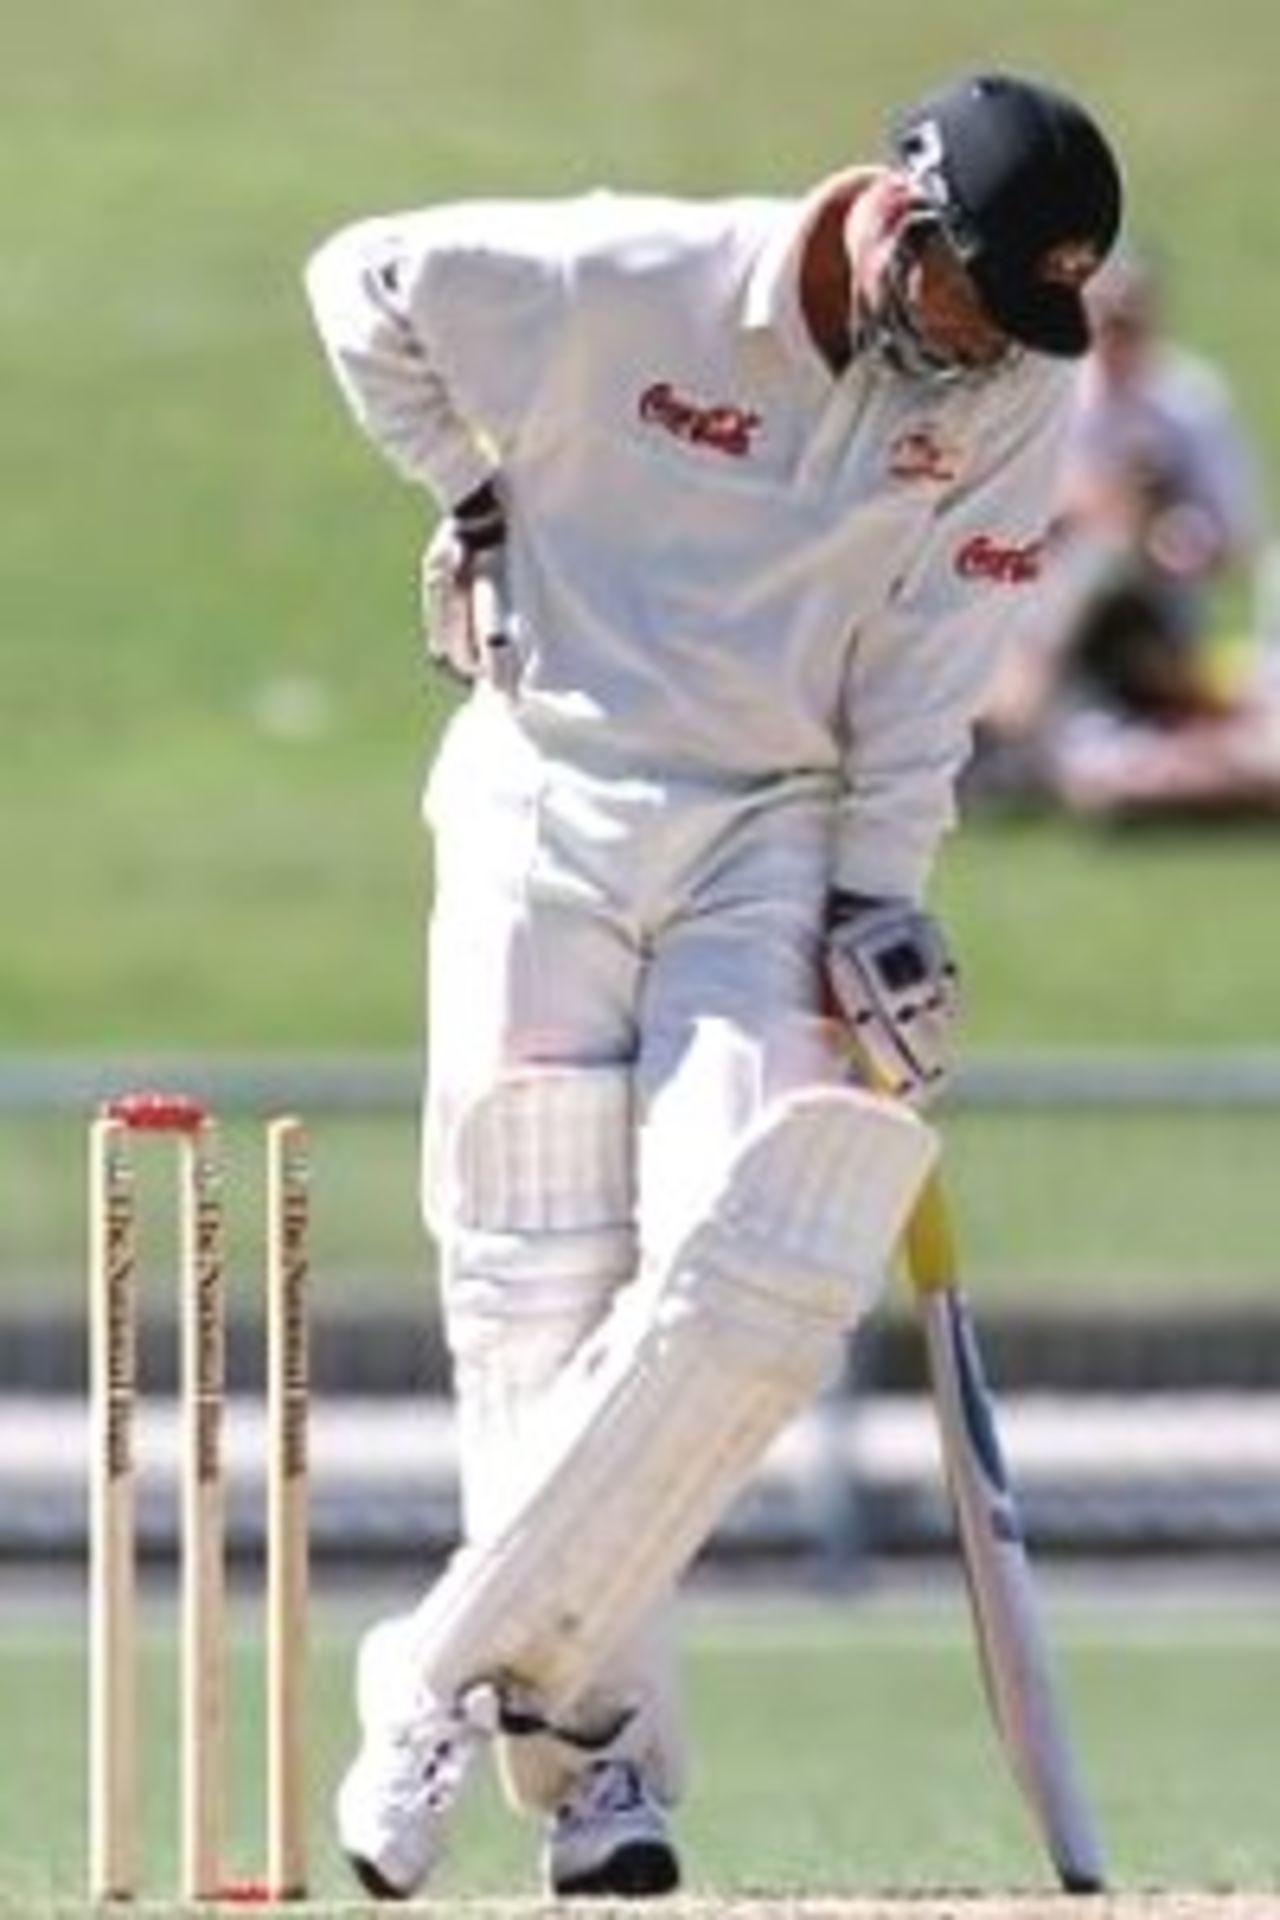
[
  {"x": 395, "y": 1801},
  {"x": 609, "y": 1836}
]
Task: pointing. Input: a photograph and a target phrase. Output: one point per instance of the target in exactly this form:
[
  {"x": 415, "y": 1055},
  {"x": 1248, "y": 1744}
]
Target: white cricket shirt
[{"x": 729, "y": 565}]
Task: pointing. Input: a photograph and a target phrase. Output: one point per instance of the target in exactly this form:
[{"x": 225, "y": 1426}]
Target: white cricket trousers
[{"x": 668, "y": 935}]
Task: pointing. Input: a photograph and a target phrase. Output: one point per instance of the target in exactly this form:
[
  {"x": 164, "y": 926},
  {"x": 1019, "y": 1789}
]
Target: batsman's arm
[
  {"x": 442, "y": 327},
  {"x": 921, "y": 668},
  {"x": 359, "y": 288}
]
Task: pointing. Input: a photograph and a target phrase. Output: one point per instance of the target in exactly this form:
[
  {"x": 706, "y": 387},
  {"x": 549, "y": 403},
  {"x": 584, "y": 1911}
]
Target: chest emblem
[
  {"x": 722, "y": 427},
  {"x": 918, "y": 453}
]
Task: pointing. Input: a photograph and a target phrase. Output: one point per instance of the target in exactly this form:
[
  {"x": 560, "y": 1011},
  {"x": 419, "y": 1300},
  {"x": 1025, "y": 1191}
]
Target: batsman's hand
[
  {"x": 465, "y": 620},
  {"x": 892, "y": 978}
]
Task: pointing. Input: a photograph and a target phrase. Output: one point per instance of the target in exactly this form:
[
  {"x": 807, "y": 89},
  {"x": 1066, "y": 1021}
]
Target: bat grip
[{"x": 929, "y": 1238}]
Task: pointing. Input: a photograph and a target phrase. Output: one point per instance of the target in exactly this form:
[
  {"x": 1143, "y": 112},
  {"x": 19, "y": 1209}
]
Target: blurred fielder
[{"x": 738, "y": 498}]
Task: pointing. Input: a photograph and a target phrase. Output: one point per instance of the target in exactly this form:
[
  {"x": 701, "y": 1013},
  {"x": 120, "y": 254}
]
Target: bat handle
[{"x": 929, "y": 1238}]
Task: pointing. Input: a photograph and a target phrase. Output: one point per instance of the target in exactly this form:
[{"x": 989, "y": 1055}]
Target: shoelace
[
  {"x": 435, "y": 1766},
  {"x": 432, "y": 1766},
  {"x": 431, "y": 1758}
]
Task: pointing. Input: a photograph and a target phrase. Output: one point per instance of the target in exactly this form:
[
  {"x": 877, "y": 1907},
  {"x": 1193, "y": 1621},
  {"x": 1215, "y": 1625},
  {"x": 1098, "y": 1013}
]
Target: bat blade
[{"x": 1012, "y": 1644}]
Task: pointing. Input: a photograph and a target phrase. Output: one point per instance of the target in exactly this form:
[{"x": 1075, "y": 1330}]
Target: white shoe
[
  {"x": 394, "y": 1802},
  {"x": 609, "y": 1836}
]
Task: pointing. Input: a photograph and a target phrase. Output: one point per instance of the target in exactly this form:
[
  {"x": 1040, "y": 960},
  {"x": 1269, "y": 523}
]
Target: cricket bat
[{"x": 1009, "y": 1629}]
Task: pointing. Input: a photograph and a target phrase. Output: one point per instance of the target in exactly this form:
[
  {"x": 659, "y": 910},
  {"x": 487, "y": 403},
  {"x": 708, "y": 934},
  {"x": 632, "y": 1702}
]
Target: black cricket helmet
[{"x": 1028, "y": 192}]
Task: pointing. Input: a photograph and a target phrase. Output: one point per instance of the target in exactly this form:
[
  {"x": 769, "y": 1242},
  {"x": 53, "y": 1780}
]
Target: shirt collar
[{"x": 771, "y": 302}]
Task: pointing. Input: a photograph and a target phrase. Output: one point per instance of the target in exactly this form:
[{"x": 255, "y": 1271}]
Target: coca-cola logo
[
  {"x": 982, "y": 557},
  {"x": 724, "y": 428}
]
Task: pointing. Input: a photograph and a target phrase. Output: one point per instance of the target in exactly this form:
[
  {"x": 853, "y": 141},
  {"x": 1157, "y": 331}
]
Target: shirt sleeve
[
  {"x": 919, "y": 673},
  {"x": 439, "y": 327}
]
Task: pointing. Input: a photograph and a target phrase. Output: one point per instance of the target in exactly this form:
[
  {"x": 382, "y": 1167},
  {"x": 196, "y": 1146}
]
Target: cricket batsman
[{"x": 738, "y": 498}]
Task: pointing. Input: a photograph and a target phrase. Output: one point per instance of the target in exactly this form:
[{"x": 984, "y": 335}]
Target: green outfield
[
  {"x": 211, "y": 723},
  {"x": 841, "y": 1748},
  {"x": 1041, "y": 1213}
]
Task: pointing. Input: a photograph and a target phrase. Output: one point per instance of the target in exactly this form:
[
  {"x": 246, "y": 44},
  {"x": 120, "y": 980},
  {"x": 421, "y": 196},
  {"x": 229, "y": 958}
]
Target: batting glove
[
  {"x": 894, "y": 981},
  {"x": 466, "y": 629}
]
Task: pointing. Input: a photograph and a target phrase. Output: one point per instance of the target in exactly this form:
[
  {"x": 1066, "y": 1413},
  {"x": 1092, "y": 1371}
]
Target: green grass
[
  {"x": 839, "y": 1748},
  {"x": 1083, "y": 1210},
  {"x": 1070, "y": 938},
  {"x": 1128, "y": 1210},
  {"x": 211, "y": 732}
]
